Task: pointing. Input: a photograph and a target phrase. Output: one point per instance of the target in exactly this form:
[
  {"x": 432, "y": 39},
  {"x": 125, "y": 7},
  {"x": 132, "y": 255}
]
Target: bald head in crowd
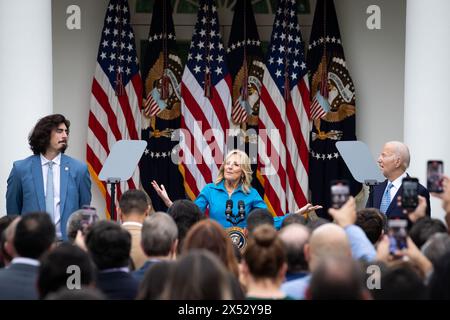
[
  {"x": 328, "y": 239},
  {"x": 337, "y": 278},
  {"x": 295, "y": 237},
  {"x": 294, "y": 234},
  {"x": 394, "y": 159}
]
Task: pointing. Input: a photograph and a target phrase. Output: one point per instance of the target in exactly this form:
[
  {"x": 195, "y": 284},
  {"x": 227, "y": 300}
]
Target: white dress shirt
[
  {"x": 24, "y": 260},
  {"x": 396, "y": 184},
  {"x": 132, "y": 223},
  {"x": 56, "y": 188}
]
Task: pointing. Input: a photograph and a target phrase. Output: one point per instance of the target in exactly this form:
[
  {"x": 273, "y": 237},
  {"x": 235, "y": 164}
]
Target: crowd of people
[
  {"x": 54, "y": 247},
  {"x": 181, "y": 254}
]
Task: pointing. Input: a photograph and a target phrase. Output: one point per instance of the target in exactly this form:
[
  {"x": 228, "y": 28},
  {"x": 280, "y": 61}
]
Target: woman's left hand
[{"x": 307, "y": 208}]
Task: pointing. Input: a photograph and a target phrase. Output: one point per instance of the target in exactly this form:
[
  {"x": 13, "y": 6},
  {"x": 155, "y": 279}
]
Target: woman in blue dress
[{"x": 233, "y": 183}]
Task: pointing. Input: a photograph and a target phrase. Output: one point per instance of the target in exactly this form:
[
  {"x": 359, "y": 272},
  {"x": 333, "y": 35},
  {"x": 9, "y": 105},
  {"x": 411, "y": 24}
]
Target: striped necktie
[
  {"x": 49, "y": 196},
  {"x": 386, "y": 200}
]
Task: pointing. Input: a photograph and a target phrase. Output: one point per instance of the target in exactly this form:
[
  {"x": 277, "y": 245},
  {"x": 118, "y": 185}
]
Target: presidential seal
[{"x": 237, "y": 237}]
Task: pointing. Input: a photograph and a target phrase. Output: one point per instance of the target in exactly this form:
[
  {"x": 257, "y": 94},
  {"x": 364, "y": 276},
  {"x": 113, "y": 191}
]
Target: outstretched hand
[
  {"x": 162, "y": 193},
  {"x": 307, "y": 209}
]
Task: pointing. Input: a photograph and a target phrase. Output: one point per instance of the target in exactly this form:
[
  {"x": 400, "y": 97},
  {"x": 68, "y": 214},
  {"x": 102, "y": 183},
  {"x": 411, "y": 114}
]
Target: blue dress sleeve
[
  {"x": 258, "y": 202},
  {"x": 277, "y": 221}
]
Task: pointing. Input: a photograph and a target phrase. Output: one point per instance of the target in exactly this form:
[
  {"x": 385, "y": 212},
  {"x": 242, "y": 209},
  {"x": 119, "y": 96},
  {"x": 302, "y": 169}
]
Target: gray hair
[
  {"x": 159, "y": 232},
  {"x": 402, "y": 151},
  {"x": 436, "y": 246}
]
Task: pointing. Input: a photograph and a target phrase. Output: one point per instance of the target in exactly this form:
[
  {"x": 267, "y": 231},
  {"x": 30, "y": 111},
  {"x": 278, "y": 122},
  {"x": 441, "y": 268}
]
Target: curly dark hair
[{"x": 39, "y": 138}]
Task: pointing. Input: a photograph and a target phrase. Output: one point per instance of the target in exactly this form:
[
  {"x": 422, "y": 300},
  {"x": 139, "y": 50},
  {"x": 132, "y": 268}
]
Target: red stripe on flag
[
  {"x": 129, "y": 119},
  {"x": 203, "y": 168},
  {"x": 219, "y": 109},
  {"x": 99, "y": 131},
  {"x": 198, "y": 115},
  {"x": 304, "y": 92},
  {"x": 103, "y": 100},
  {"x": 296, "y": 130}
]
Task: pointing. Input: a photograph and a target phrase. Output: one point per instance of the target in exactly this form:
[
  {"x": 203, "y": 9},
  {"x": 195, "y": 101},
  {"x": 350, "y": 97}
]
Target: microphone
[
  {"x": 228, "y": 207},
  {"x": 241, "y": 206}
]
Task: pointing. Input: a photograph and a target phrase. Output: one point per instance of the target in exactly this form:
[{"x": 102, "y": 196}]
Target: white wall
[
  {"x": 26, "y": 82},
  {"x": 375, "y": 60},
  {"x": 74, "y": 58},
  {"x": 426, "y": 87}
]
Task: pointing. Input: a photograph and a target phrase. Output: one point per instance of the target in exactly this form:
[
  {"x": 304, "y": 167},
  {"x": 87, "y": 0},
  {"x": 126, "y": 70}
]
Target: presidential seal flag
[
  {"x": 116, "y": 95},
  {"x": 206, "y": 103},
  {"x": 161, "y": 112},
  {"x": 284, "y": 123},
  {"x": 246, "y": 65},
  {"x": 332, "y": 106}
]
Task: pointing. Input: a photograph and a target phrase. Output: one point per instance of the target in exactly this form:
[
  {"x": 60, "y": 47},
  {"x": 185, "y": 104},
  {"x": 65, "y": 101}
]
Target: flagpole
[
  {"x": 287, "y": 91},
  {"x": 165, "y": 80},
  {"x": 245, "y": 80},
  {"x": 207, "y": 85},
  {"x": 119, "y": 88}
]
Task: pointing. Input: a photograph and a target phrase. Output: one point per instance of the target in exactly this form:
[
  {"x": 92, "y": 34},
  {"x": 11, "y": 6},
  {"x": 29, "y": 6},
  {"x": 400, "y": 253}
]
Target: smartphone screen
[
  {"x": 410, "y": 191},
  {"x": 89, "y": 217},
  {"x": 435, "y": 172},
  {"x": 397, "y": 235},
  {"x": 340, "y": 192}
]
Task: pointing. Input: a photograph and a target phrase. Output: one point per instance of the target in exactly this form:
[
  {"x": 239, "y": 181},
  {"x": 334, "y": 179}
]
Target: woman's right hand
[{"x": 162, "y": 193}]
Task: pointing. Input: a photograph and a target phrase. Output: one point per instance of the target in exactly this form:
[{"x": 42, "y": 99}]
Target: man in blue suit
[
  {"x": 49, "y": 180},
  {"x": 393, "y": 161}
]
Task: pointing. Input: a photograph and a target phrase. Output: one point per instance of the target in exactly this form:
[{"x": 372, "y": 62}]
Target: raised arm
[{"x": 162, "y": 193}]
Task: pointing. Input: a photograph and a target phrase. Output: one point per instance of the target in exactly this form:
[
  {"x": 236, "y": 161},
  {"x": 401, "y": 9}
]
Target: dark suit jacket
[
  {"x": 118, "y": 285},
  {"x": 25, "y": 191},
  {"x": 19, "y": 282},
  {"x": 140, "y": 273},
  {"x": 393, "y": 211}
]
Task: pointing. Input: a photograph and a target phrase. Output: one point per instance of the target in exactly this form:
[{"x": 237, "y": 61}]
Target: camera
[
  {"x": 435, "y": 172},
  {"x": 397, "y": 235},
  {"x": 410, "y": 191},
  {"x": 340, "y": 192}
]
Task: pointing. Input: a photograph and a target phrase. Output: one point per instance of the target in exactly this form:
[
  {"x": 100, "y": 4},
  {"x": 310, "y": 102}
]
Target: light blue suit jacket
[{"x": 25, "y": 191}]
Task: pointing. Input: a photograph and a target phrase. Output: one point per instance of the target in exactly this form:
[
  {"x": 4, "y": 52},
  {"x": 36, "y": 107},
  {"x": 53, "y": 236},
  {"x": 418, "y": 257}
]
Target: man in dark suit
[
  {"x": 393, "y": 161},
  {"x": 109, "y": 246},
  {"x": 34, "y": 235},
  {"x": 49, "y": 181}
]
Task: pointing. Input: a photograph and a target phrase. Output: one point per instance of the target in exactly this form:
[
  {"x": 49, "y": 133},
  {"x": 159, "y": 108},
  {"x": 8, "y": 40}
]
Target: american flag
[
  {"x": 239, "y": 112},
  {"x": 151, "y": 107},
  {"x": 333, "y": 106},
  {"x": 116, "y": 94},
  {"x": 206, "y": 92},
  {"x": 319, "y": 104},
  {"x": 285, "y": 115}
]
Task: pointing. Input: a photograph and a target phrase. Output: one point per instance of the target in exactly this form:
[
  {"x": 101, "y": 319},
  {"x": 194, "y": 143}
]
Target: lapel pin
[{"x": 66, "y": 168}]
